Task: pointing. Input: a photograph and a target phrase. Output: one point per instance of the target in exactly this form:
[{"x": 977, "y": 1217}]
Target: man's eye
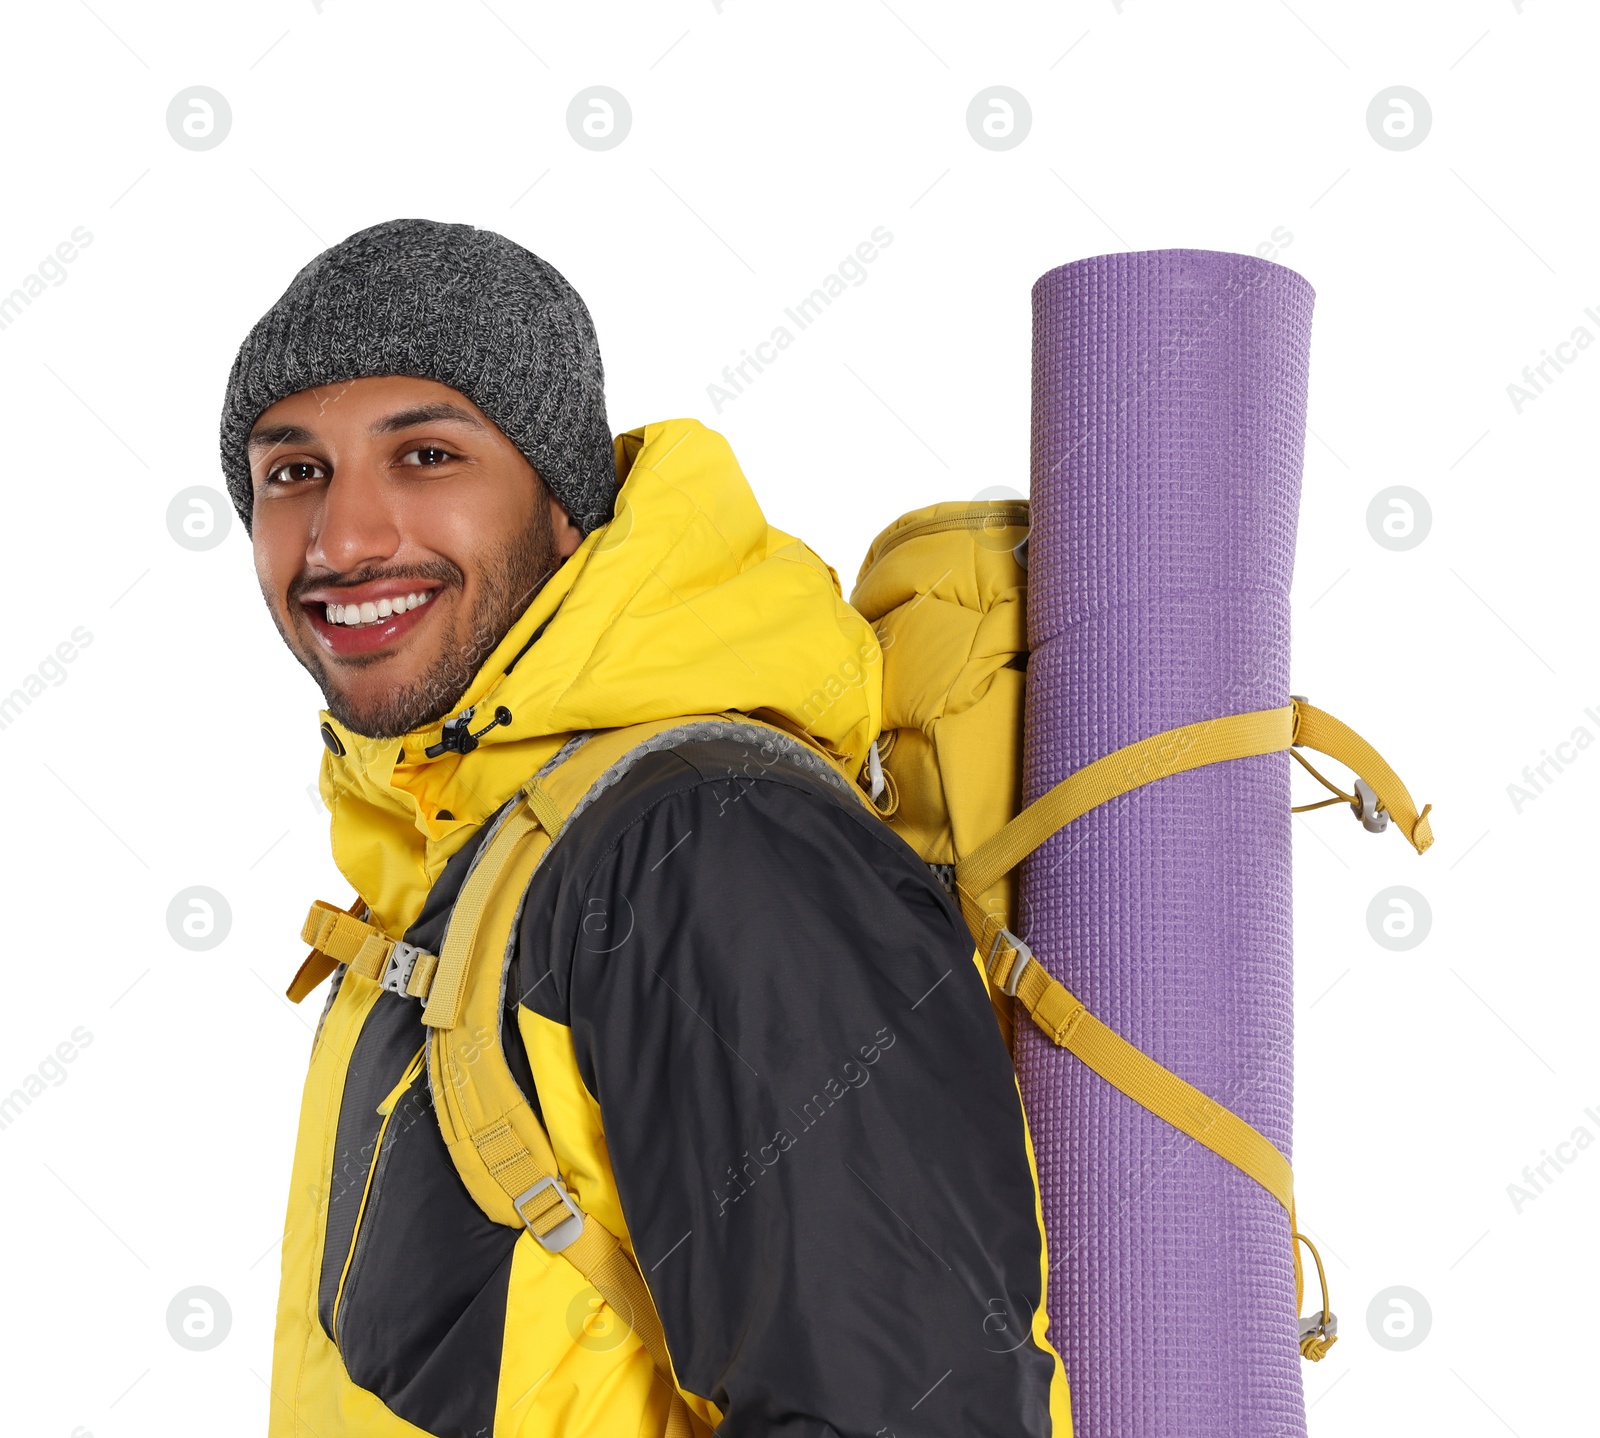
[
  {"x": 295, "y": 470},
  {"x": 434, "y": 454}
]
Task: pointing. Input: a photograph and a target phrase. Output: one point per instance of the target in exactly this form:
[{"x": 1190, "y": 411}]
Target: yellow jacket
[{"x": 404, "y": 1308}]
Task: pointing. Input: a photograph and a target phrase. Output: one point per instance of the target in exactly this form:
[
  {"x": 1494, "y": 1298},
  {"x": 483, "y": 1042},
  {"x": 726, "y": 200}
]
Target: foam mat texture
[{"x": 1169, "y": 392}]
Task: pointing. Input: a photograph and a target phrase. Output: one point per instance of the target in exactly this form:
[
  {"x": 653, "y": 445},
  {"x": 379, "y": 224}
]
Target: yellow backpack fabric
[{"x": 946, "y": 590}]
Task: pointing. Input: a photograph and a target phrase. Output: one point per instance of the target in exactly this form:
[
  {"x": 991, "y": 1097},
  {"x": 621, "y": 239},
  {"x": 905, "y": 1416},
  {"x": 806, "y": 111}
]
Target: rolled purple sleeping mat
[{"x": 1169, "y": 392}]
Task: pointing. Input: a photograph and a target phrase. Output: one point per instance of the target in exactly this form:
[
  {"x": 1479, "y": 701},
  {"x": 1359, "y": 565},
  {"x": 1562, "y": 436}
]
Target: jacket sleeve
[{"x": 812, "y": 1119}]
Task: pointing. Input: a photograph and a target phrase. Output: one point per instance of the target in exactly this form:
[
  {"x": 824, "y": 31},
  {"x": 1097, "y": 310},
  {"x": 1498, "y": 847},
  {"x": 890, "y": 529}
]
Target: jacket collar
[{"x": 687, "y": 601}]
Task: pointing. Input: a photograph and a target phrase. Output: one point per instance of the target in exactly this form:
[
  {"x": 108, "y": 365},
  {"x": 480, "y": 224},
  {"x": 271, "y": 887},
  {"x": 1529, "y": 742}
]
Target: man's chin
[
  {"x": 380, "y": 696},
  {"x": 390, "y": 717}
]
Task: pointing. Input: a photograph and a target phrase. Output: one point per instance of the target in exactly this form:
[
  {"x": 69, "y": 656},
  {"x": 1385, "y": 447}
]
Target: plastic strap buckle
[
  {"x": 1320, "y": 1323},
  {"x": 1373, "y": 819},
  {"x": 564, "y": 1233},
  {"x": 1023, "y": 958},
  {"x": 397, "y": 968},
  {"x": 874, "y": 770}
]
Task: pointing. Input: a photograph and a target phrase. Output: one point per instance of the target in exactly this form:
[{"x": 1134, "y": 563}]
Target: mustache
[{"x": 443, "y": 571}]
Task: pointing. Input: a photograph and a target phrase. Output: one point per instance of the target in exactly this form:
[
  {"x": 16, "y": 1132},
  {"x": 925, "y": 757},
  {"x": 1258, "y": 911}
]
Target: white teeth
[{"x": 370, "y": 613}]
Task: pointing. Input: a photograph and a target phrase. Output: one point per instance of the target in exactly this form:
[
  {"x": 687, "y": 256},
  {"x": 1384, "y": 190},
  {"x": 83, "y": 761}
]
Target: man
[{"x": 745, "y": 1013}]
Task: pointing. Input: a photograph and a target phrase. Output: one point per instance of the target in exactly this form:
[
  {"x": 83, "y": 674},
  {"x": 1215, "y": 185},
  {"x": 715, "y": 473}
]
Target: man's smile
[{"x": 364, "y": 618}]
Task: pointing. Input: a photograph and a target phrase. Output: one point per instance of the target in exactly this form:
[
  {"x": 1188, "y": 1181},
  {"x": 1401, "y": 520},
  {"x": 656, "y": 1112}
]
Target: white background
[{"x": 767, "y": 141}]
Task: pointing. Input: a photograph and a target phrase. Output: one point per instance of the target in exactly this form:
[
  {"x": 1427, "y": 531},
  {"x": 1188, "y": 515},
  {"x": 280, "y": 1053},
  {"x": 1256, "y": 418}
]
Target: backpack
[{"x": 945, "y": 587}]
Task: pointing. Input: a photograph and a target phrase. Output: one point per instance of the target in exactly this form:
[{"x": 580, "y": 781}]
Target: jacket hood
[{"x": 687, "y": 601}]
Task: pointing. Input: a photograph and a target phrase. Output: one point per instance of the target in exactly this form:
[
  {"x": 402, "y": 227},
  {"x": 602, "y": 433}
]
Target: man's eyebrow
[
  {"x": 427, "y": 414},
  {"x": 272, "y": 435}
]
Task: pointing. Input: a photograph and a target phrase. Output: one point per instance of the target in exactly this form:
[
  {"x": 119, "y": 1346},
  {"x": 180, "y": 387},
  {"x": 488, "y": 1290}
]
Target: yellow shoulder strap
[
  {"x": 488, "y": 1125},
  {"x": 495, "y": 1138}
]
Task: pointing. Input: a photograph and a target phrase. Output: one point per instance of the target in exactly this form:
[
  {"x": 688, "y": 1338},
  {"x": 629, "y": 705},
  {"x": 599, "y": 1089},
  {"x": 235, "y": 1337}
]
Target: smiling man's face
[{"x": 398, "y": 534}]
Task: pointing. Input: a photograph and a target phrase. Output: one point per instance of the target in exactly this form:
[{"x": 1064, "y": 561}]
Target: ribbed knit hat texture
[{"x": 452, "y": 303}]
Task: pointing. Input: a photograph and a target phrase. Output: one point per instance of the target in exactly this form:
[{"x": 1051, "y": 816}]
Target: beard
[{"x": 511, "y": 576}]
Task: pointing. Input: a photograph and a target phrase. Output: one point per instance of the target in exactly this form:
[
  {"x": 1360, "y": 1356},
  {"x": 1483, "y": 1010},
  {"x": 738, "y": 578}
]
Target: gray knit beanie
[{"x": 452, "y": 303}]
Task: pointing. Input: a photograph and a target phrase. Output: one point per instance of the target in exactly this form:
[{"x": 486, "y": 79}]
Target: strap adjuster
[
  {"x": 397, "y": 968},
  {"x": 1373, "y": 819},
  {"x": 564, "y": 1233},
  {"x": 1322, "y": 1324},
  {"x": 1024, "y": 957}
]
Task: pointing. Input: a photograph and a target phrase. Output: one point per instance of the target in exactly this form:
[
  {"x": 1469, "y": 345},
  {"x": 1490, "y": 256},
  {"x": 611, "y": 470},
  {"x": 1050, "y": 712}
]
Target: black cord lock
[{"x": 458, "y": 739}]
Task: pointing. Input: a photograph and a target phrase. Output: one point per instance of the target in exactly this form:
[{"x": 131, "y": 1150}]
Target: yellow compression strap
[
  {"x": 1068, "y": 1024},
  {"x": 1175, "y": 751},
  {"x": 1058, "y": 1012},
  {"x": 1235, "y": 736},
  {"x": 1063, "y": 1017},
  {"x": 1316, "y": 729}
]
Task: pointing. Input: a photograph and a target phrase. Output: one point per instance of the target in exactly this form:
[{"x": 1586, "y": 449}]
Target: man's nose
[{"x": 357, "y": 523}]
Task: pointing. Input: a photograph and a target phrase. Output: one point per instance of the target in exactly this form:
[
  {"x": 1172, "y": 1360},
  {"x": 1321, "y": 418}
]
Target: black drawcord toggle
[{"x": 457, "y": 739}]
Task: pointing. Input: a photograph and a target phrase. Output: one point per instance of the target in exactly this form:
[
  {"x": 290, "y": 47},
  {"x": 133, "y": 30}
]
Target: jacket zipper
[
  {"x": 386, "y": 1108},
  {"x": 1013, "y": 511}
]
